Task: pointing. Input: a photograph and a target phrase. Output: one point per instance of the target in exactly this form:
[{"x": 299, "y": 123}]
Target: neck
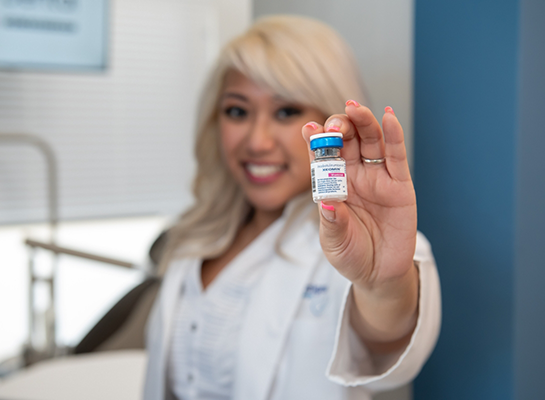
[
  {"x": 262, "y": 219},
  {"x": 259, "y": 221}
]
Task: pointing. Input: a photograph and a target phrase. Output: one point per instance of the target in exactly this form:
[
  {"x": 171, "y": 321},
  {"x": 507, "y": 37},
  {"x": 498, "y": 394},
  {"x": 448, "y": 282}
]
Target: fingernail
[
  {"x": 328, "y": 212},
  {"x": 311, "y": 125},
  {"x": 389, "y": 110},
  {"x": 333, "y": 125},
  {"x": 353, "y": 103}
]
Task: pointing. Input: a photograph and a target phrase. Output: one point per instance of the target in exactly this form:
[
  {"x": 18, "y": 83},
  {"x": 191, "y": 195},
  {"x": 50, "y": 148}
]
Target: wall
[
  {"x": 123, "y": 137},
  {"x": 381, "y": 35},
  {"x": 530, "y": 208},
  {"x": 466, "y": 119}
]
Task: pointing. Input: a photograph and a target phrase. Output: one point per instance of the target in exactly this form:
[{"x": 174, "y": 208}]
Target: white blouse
[{"x": 207, "y": 325}]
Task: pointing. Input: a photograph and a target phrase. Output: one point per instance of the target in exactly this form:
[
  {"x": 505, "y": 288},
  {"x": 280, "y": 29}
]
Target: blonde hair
[{"x": 298, "y": 58}]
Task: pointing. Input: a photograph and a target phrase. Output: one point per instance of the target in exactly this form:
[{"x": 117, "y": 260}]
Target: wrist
[
  {"x": 390, "y": 288},
  {"x": 387, "y": 312}
]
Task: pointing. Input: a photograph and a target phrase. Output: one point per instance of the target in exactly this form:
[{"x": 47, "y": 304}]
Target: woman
[{"x": 264, "y": 292}]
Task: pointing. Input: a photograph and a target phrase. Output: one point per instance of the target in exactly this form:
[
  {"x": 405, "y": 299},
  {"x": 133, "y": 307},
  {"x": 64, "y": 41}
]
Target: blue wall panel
[
  {"x": 465, "y": 123},
  {"x": 530, "y": 216}
]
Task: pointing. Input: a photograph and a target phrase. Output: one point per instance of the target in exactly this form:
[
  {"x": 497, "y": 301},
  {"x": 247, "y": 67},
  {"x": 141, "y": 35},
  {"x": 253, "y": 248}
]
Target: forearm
[{"x": 385, "y": 316}]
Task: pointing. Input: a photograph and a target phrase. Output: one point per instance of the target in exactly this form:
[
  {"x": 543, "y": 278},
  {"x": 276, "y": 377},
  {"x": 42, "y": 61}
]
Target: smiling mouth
[{"x": 263, "y": 173}]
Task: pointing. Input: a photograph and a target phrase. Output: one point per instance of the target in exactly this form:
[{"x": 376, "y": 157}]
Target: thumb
[{"x": 333, "y": 225}]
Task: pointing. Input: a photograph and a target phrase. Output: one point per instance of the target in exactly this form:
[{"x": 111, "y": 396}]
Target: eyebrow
[{"x": 235, "y": 96}]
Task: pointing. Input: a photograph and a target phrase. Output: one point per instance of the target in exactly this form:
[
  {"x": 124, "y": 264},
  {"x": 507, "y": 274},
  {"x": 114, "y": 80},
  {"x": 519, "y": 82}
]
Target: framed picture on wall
[{"x": 54, "y": 34}]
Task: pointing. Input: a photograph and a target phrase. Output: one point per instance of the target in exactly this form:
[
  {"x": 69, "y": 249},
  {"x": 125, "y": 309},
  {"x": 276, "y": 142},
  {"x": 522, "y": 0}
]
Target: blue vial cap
[{"x": 328, "y": 139}]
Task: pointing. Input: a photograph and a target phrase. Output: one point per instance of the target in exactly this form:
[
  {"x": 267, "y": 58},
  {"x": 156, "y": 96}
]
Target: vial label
[{"x": 328, "y": 180}]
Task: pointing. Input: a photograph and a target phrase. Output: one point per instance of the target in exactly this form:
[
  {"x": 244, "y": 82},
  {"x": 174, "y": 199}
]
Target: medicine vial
[{"x": 328, "y": 170}]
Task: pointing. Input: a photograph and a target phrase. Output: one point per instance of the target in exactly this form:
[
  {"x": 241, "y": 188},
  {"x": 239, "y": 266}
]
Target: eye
[
  {"x": 287, "y": 112},
  {"x": 235, "y": 112}
]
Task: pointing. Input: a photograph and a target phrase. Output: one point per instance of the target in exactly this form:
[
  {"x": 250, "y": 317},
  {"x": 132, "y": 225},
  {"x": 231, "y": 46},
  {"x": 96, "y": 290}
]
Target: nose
[{"x": 260, "y": 137}]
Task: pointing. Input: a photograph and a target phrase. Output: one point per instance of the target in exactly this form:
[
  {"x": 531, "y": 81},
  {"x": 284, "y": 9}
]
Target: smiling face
[{"x": 262, "y": 143}]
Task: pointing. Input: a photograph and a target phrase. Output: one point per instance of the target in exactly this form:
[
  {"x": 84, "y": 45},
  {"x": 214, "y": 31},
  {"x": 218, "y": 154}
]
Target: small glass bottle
[{"x": 328, "y": 170}]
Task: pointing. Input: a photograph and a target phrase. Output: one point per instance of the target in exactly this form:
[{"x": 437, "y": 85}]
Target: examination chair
[
  {"x": 108, "y": 363},
  {"x": 123, "y": 326}
]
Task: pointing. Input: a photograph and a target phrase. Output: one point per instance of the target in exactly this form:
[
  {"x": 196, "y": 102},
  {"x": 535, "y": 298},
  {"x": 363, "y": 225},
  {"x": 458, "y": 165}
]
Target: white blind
[{"x": 123, "y": 138}]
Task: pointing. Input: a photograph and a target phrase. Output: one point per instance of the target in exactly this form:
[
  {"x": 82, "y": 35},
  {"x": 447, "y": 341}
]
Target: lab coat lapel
[
  {"x": 271, "y": 311},
  {"x": 172, "y": 291},
  {"x": 170, "y": 296}
]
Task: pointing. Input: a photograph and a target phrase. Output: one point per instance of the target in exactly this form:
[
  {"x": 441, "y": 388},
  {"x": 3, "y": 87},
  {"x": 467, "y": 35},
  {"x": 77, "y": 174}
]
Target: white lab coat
[{"x": 296, "y": 341}]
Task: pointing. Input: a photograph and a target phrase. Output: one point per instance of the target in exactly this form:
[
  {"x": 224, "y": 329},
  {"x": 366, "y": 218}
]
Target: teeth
[{"x": 262, "y": 171}]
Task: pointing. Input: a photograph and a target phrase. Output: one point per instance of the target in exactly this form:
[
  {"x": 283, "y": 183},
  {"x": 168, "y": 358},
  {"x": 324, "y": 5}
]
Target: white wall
[
  {"x": 381, "y": 35},
  {"x": 123, "y": 137}
]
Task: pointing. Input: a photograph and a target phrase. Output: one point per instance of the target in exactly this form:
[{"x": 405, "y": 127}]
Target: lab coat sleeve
[{"x": 352, "y": 365}]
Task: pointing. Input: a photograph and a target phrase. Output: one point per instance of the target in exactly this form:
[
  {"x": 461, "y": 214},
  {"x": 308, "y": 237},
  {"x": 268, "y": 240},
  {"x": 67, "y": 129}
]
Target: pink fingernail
[
  {"x": 328, "y": 212},
  {"x": 353, "y": 103},
  {"x": 389, "y": 110},
  {"x": 327, "y": 207},
  {"x": 334, "y": 125},
  {"x": 311, "y": 125}
]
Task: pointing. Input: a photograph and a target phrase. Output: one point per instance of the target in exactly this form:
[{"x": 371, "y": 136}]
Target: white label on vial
[{"x": 328, "y": 178}]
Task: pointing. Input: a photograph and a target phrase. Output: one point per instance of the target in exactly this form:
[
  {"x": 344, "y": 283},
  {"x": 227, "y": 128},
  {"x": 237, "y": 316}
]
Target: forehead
[
  {"x": 236, "y": 82},
  {"x": 236, "y": 78}
]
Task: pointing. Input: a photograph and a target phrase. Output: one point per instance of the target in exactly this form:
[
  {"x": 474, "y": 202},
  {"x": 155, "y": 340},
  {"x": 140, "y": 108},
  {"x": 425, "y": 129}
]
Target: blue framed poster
[{"x": 53, "y": 34}]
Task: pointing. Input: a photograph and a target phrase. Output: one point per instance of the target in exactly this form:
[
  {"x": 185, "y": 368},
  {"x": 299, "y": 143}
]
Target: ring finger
[{"x": 369, "y": 132}]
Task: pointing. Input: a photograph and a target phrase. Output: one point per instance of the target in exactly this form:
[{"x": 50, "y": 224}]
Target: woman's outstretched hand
[{"x": 371, "y": 237}]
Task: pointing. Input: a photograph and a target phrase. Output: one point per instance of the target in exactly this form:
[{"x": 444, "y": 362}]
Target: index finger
[{"x": 337, "y": 123}]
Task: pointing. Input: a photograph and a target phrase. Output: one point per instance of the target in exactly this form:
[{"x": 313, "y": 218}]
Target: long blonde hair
[{"x": 299, "y": 59}]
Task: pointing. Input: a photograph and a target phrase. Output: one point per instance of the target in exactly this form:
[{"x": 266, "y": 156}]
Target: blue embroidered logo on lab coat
[{"x": 318, "y": 297}]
